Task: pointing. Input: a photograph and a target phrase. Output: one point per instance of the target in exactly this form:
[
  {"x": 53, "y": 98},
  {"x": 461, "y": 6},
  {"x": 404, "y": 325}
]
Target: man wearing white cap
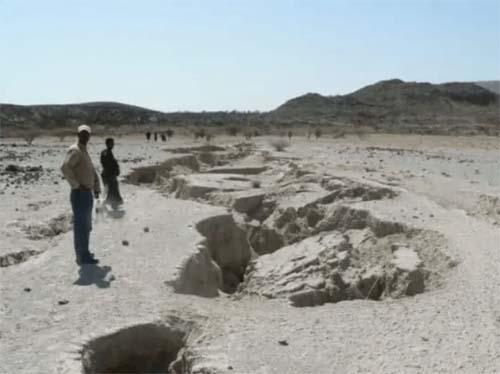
[{"x": 82, "y": 177}]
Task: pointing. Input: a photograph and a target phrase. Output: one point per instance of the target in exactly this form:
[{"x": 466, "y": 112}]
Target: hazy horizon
[
  {"x": 202, "y": 110},
  {"x": 236, "y": 55}
]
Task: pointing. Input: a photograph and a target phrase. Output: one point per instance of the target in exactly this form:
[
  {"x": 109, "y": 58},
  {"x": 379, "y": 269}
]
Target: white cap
[{"x": 83, "y": 128}]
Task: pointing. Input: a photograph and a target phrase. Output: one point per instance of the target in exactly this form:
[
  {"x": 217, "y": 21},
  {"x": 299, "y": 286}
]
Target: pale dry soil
[{"x": 198, "y": 269}]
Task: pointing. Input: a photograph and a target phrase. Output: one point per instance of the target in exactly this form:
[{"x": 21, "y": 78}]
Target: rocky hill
[
  {"x": 493, "y": 86},
  {"x": 388, "y": 106},
  {"x": 52, "y": 116},
  {"x": 398, "y": 106},
  {"x": 106, "y": 114}
]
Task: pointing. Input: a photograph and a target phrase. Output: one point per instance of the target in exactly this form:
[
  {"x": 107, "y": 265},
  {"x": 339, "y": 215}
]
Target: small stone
[
  {"x": 282, "y": 342},
  {"x": 27, "y": 289},
  {"x": 125, "y": 242},
  {"x": 63, "y": 302},
  {"x": 146, "y": 229},
  {"x": 452, "y": 263},
  {"x": 229, "y": 367}
]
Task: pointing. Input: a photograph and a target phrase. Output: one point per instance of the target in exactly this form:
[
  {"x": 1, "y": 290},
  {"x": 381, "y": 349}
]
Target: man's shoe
[{"x": 88, "y": 261}]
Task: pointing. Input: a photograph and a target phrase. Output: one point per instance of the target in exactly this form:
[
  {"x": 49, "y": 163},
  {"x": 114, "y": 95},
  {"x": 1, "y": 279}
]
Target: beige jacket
[{"x": 79, "y": 170}]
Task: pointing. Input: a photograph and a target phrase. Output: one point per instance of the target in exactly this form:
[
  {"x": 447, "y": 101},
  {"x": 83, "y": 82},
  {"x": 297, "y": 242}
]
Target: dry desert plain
[{"x": 378, "y": 254}]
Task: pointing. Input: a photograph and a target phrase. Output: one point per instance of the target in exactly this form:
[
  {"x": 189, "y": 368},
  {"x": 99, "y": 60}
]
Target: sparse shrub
[
  {"x": 248, "y": 135},
  {"x": 62, "y": 134},
  {"x": 29, "y": 136},
  {"x": 232, "y": 131},
  {"x": 360, "y": 133},
  {"x": 279, "y": 145},
  {"x": 199, "y": 134}
]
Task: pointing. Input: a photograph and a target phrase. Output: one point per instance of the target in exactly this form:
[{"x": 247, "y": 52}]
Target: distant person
[
  {"x": 163, "y": 138},
  {"x": 83, "y": 179},
  {"x": 110, "y": 173},
  {"x": 156, "y": 136},
  {"x": 290, "y": 134},
  {"x": 148, "y": 136}
]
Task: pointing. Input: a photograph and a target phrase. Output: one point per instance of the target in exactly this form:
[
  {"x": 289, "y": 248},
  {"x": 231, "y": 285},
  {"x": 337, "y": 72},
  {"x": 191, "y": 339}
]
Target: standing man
[
  {"x": 110, "y": 173},
  {"x": 83, "y": 179}
]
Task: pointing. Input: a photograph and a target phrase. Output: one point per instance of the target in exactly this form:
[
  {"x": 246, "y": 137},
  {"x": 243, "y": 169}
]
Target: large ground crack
[{"x": 303, "y": 236}]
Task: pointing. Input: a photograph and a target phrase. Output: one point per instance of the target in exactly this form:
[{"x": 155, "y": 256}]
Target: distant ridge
[
  {"x": 387, "y": 106},
  {"x": 493, "y": 86},
  {"x": 398, "y": 106}
]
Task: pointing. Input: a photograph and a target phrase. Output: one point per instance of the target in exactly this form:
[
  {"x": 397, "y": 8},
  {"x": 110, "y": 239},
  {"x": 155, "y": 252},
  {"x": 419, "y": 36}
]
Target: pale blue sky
[{"x": 246, "y": 55}]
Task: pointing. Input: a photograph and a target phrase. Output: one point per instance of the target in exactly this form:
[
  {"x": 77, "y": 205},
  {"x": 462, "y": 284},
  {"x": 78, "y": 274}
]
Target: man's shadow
[{"x": 94, "y": 274}]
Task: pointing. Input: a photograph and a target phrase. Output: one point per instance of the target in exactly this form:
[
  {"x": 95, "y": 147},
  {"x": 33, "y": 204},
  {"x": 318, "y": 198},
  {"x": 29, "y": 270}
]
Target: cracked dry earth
[{"x": 375, "y": 255}]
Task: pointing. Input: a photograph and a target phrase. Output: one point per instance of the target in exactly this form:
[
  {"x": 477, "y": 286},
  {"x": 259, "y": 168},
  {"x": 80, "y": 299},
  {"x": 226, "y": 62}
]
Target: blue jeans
[{"x": 82, "y": 203}]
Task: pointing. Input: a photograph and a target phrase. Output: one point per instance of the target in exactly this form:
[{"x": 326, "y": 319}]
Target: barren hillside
[
  {"x": 387, "y": 106},
  {"x": 398, "y": 106},
  {"x": 493, "y": 86}
]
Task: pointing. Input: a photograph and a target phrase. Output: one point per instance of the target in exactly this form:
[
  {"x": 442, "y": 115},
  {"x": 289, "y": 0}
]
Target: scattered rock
[
  {"x": 125, "y": 242},
  {"x": 13, "y": 168}
]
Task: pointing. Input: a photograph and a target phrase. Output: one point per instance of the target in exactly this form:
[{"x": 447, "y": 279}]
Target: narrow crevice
[
  {"x": 15, "y": 258},
  {"x": 218, "y": 262}
]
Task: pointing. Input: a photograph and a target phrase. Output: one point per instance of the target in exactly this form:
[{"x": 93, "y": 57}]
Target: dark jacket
[{"x": 110, "y": 167}]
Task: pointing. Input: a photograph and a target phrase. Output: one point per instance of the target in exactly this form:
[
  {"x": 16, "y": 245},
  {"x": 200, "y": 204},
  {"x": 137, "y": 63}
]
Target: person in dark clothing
[
  {"x": 156, "y": 136},
  {"x": 148, "y": 136},
  {"x": 110, "y": 173}
]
